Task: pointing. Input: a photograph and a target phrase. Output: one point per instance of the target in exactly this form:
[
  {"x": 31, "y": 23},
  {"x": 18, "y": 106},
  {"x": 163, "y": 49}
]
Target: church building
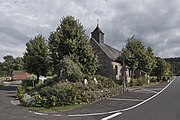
[{"x": 107, "y": 56}]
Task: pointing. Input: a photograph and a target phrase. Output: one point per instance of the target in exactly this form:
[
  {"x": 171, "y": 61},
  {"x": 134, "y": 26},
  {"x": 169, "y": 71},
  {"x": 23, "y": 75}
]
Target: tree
[
  {"x": 70, "y": 39},
  {"x": 175, "y": 65},
  {"x": 7, "y": 65},
  {"x": 18, "y": 63},
  {"x": 134, "y": 53},
  {"x": 138, "y": 57},
  {"x": 11, "y": 64},
  {"x": 149, "y": 61},
  {"x": 69, "y": 70},
  {"x": 162, "y": 68},
  {"x": 36, "y": 57}
]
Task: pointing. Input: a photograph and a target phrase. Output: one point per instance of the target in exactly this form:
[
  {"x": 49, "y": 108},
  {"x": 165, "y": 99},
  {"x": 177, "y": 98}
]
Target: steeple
[{"x": 98, "y": 35}]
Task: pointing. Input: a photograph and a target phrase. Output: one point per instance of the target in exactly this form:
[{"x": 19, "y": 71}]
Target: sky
[{"x": 155, "y": 22}]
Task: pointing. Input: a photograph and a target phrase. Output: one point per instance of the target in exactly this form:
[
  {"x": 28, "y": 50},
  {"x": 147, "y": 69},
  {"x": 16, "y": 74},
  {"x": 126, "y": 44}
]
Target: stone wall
[{"x": 106, "y": 67}]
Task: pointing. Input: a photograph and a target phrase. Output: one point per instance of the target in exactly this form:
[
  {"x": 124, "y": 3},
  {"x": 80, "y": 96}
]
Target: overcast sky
[{"x": 156, "y": 22}]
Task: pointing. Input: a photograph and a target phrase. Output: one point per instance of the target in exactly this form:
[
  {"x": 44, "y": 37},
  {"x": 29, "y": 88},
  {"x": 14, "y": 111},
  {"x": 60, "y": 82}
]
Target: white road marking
[
  {"x": 37, "y": 113},
  {"x": 149, "y": 90},
  {"x": 90, "y": 114},
  {"x": 148, "y": 98},
  {"x": 146, "y": 92},
  {"x": 111, "y": 116},
  {"x": 136, "y": 100},
  {"x": 57, "y": 115},
  {"x": 122, "y": 110},
  {"x": 116, "y": 112}
]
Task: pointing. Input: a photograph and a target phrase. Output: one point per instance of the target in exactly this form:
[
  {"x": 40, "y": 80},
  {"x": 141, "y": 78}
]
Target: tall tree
[
  {"x": 150, "y": 60},
  {"x": 11, "y": 64},
  {"x": 8, "y": 65},
  {"x": 162, "y": 68},
  {"x": 133, "y": 53},
  {"x": 138, "y": 57},
  {"x": 36, "y": 57},
  {"x": 18, "y": 63},
  {"x": 70, "y": 39}
]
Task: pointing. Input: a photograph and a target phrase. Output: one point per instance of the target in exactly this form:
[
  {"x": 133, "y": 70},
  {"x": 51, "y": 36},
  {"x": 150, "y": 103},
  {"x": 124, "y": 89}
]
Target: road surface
[{"x": 165, "y": 106}]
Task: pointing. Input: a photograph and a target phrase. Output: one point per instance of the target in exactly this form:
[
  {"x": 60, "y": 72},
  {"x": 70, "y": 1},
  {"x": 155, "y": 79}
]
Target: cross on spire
[{"x": 97, "y": 22}]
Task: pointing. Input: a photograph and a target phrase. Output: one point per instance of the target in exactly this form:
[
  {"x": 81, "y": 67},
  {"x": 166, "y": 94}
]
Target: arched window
[{"x": 116, "y": 69}]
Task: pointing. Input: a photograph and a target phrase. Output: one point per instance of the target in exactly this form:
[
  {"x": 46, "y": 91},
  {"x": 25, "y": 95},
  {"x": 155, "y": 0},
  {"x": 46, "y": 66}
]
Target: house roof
[
  {"x": 111, "y": 52},
  {"x": 19, "y": 75}
]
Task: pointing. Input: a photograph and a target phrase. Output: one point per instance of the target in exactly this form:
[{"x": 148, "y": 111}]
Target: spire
[
  {"x": 97, "y": 34},
  {"x": 97, "y": 22}
]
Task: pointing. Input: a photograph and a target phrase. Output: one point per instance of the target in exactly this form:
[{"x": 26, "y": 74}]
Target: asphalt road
[{"x": 165, "y": 106}]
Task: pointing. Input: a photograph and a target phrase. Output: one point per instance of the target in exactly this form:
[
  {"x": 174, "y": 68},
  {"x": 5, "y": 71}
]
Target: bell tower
[{"x": 98, "y": 35}]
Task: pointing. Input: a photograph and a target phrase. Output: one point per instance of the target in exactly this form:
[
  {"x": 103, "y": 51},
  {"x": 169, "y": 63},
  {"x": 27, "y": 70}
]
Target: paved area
[
  {"x": 94, "y": 111},
  {"x": 165, "y": 106}
]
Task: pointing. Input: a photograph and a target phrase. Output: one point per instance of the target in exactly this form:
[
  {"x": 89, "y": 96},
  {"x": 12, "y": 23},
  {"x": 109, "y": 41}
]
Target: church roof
[
  {"x": 111, "y": 52},
  {"x": 98, "y": 30}
]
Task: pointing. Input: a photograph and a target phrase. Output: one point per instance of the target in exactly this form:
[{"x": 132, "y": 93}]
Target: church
[{"x": 107, "y": 56}]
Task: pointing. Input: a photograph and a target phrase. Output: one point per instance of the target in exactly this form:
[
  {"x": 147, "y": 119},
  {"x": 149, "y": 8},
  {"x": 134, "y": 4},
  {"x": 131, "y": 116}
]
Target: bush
[
  {"x": 153, "y": 79},
  {"x": 20, "y": 93},
  {"x": 53, "y": 93},
  {"x": 104, "y": 82},
  {"x": 138, "y": 82},
  {"x": 27, "y": 83},
  {"x": 69, "y": 70}
]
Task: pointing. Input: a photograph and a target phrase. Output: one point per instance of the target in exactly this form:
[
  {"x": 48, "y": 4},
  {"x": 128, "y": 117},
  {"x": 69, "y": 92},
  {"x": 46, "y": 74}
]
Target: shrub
[
  {"x": 104, "y": 82},
  {"x": 20, "y": 93},
  {"x": 138, "y": 82},
  {"x": 153, "y": 79},
  {"x": 53, "y": 93},
  {"x": 27, "y": 83},
  {"x": 68, "y": 69}
]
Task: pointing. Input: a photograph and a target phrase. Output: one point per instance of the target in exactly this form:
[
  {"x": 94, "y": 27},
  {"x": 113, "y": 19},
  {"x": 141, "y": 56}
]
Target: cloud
[{"x": 155, "y": 22}]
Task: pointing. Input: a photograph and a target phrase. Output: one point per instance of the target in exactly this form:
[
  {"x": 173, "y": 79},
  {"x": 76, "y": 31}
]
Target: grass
[
  {"x": 56, "y": 109},
  {"x": 2, "y": 78}
]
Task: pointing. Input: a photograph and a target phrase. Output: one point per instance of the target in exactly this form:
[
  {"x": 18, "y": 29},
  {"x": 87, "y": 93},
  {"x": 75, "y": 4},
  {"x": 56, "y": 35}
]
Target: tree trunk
[{"x": 38, "y": 75}]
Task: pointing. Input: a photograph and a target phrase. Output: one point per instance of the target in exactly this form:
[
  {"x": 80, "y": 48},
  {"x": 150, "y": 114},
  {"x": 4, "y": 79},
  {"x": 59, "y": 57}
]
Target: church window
[{"x": 116, "y": 69}]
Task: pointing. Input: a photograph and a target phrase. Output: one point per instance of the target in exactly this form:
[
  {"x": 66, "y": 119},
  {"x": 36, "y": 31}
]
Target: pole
[{"x": 123, "y": 72}]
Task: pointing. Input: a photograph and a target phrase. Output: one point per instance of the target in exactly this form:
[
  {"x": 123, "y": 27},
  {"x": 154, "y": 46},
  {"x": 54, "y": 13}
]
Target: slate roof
[
  {"x": 111, "y": 52},
  {"x": 98, "y": 30}
]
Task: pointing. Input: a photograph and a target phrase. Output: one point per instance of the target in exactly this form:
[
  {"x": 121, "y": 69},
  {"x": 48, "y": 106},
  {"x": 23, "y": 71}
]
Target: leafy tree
[
  {"x": 138, "y": 57},
  {"x": 18, "y": 63},
  {"x": 175, "y": 65},
  {"x": 7, "y": 65},
  {"x": 70, "y": 39},
  {"x": 149, "y": 61},
  {"x": 36, "y": 57},
  {"x": 11, "y": 64},
  {"x": 8, "y": 57},
  {"x": 134, "y": 53},
  {"x": 162, "y": 68},
  {"x": 69, "y": 70}
]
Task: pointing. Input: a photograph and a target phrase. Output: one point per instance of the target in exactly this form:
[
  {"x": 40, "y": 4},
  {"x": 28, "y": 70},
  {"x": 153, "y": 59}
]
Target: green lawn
[
  {"x": 55, "y": 109},
  {"x": 2, "y": 78}
]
